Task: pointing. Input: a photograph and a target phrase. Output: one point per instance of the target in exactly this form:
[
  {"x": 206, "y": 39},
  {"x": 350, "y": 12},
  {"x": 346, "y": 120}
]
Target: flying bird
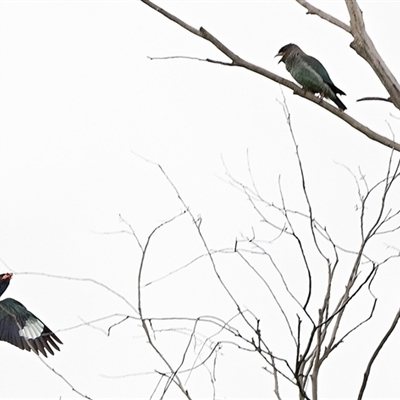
[
  {"x": 310, "y": 73},
  {"x": 21, "y": 328}
]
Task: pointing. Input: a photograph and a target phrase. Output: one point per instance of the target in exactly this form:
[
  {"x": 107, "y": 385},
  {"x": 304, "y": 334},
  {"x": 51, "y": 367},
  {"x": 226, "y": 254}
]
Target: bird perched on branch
[
  {"x": 310, "y": 73},
  {"x": 21, "y": 328}
]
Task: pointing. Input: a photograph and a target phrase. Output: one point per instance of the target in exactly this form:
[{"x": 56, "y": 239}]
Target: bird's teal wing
[
  {"x": 322, "y": 72},
  {"x": 21, "y": 328},
  {"x": 318, "y": 68}
]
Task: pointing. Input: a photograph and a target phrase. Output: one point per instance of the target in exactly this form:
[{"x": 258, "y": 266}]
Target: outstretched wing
[{"x": 21, "y": 328}]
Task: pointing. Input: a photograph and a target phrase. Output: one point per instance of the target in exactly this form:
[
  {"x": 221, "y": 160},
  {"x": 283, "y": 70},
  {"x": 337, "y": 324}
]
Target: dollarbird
[
  {"x": 310, "y": 73},
  {"x": 21, "y": 328}
]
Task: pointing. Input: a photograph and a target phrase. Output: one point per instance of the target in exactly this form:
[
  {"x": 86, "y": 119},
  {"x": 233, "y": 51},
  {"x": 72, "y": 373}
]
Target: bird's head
[
  {"x": 285, "y": 51},
  {"x": 4, "y": 281}
]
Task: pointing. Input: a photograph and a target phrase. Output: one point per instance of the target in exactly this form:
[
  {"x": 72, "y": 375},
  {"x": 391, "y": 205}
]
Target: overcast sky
[{"x": 82, "y": 108}]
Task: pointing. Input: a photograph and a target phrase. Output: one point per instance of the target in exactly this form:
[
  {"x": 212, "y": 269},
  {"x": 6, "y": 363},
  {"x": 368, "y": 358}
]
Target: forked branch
[{"x": 237, "y": 61}]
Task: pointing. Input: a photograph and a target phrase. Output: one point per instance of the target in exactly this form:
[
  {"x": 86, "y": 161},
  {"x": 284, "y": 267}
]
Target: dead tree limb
[{"x": 237, "y": 61}]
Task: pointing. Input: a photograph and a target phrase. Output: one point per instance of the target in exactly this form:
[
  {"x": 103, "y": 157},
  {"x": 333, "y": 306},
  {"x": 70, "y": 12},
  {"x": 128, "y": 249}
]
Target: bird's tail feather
[
  {"x": 336, "y": 89},
  {"x": 338, "y": 102}
]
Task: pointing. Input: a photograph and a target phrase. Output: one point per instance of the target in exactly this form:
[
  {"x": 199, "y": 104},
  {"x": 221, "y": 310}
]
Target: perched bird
[
  {"x": 310, "y": 73},
  {"x": 21, "y": 328}
]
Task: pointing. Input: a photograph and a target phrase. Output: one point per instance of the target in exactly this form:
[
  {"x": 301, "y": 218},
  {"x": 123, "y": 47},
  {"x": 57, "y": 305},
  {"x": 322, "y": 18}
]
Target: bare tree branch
[
  {"x": 375, "y": 355},
  {"x": 327, "y": 17},
  {"x": 389, "y": 100},
  {"x": 365, "y": 48},
  {"x": 239, "y": 62},
  {"x": 363, "y": 45},
  {"x": 62, "y": 377},
  {"x": 173, "y": 377}
]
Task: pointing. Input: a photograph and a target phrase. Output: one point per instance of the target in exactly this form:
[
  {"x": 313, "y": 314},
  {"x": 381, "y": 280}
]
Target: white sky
[{"x": 79, "y": 100}]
